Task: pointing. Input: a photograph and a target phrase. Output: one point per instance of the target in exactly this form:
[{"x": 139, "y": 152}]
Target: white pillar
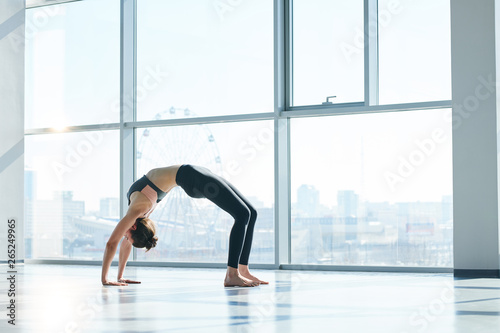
[
  {"x": 475, "y": 161},
  {"x": 12, "y": 124}
]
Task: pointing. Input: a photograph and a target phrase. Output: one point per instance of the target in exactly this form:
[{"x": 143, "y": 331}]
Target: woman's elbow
[{"x": 110, "y": 245}]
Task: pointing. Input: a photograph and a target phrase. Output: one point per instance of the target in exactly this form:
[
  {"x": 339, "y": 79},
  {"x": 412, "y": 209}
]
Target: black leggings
[{"x": 199, "y": 182}]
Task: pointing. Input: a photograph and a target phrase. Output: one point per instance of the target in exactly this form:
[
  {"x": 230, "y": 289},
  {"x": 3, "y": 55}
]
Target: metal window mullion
[
  {"x": 326, "y": 107},
  {"x": 127, "y": 98},
  {"x": 200, "y": 120},
  {"x": 363, "y": 268},
  {"x": 371, "y": 68},
  {"x": 140, "y": 263},
  {"x": 281, "y": 134},
  {"x": 72, "y": 129},
  {"x": 286, "y": 58},
  {"x": 295, "y": 267},
  {"x": 43, "y": 3},
  {"x": 334, "y": 111}
]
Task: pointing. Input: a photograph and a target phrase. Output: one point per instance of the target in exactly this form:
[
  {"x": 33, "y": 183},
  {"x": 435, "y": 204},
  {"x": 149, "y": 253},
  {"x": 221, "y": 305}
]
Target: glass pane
[
  {"x": 214, "y": 58},
  {"x": 414, "y": 51},
  {"x": 196, "y": 229},
  {"x": 328, "y": 51},
  {"x": 71, "y": 194},
  {"x": 372, "y": 189},
  {"x": 73, "y": 64}
]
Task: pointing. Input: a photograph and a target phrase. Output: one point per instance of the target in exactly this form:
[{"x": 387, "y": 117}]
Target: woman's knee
[
  {"x": 250, "y": 215},
  {"x": 242, "y": 215},
  {"x": 253, "y": 213}
]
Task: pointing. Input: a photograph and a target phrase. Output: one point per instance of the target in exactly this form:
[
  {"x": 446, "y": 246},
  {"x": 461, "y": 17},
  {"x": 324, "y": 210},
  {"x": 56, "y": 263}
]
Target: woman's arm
[
  {"x": 121, "y": 228},
  {"x": 125, "y": 249},
  {"x": 109, "y": 253}
]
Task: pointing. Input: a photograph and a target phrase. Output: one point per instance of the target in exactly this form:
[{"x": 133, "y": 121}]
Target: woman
[{"x": 198, "y": 182}]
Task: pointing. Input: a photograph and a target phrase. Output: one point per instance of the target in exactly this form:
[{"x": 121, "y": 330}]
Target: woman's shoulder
[{"x": 139, "y": 202}]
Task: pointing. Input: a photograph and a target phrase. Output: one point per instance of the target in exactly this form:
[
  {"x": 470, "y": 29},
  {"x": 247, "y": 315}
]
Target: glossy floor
[{"x": 56, "y": 298}]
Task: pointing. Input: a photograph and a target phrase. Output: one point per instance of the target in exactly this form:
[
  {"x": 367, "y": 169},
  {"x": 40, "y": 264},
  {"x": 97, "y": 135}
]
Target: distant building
[
  {"x": 29, "y": 184},
  {"x": 307, "y": 200},
  {"x": 347, "y": 203},
  {"x": 256, "y": 203},
  {"x": 447, "y": 209},
  {"x": 109, "y": 207},
  {"x": 52, "y": 222}
]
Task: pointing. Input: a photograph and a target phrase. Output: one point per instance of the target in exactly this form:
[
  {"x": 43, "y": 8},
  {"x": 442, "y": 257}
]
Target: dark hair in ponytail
[{"x": 144, "y": 234}]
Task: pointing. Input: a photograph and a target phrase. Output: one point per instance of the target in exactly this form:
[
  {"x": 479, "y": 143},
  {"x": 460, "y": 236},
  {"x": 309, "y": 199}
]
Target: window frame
[{"x": 283, "y": 112}]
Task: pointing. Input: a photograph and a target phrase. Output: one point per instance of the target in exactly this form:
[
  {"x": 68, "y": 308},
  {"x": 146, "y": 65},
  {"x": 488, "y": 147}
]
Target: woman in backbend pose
[{"x": 197, "y": 182}]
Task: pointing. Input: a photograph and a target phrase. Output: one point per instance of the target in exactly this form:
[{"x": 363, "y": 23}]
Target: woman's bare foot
[
  {"x": 234, "y": 279},
  {"x": 244, "y": 272}
]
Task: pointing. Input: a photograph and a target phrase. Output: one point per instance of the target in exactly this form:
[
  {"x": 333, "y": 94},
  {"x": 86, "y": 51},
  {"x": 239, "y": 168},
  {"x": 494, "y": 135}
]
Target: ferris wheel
[{"x": 177, "y": 215}]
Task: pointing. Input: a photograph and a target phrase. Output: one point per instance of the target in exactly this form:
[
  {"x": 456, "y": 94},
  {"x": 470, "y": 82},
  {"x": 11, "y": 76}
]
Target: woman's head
[{"x": 144, "y": 234}]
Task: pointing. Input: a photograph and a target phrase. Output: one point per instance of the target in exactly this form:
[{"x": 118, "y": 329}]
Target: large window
[
  {"x": 195, "y": 229},
  {"x": 369, "y": 180},
  {"x": 415, "y": 61},
  {"x": 211, "y": 57},
  {"x": 328, "y": 43},
  {"x": 72, "y": 79},
  {"x": 372, "y": 189},
  {"x": 72, "y": 64},
  {"x": 71, "y": 193}
]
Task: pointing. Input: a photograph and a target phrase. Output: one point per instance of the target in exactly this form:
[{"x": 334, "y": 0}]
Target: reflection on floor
[{"x": 56, "y": 298}]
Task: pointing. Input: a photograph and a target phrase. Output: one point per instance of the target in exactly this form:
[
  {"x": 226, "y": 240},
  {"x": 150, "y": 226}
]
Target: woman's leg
[
  {"x": 199, "y": 182},
  {"x": 218, "y": 191},
  {"x": 247, "y": 246}
]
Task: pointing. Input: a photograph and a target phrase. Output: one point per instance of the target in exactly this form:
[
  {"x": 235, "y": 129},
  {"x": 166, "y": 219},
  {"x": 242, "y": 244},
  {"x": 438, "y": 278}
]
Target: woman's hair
[{"x": 144, "y": 234}]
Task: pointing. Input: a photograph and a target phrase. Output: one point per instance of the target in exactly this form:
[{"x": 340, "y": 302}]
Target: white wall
[
  {"x": 475, "y": 164},
  {"x": 11, "y": 123}
]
